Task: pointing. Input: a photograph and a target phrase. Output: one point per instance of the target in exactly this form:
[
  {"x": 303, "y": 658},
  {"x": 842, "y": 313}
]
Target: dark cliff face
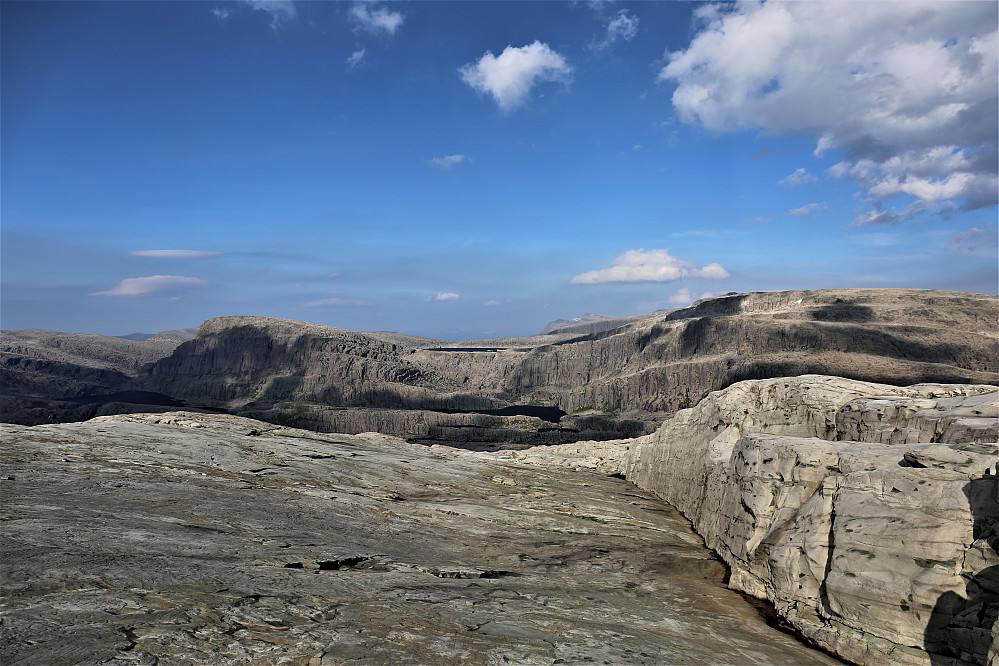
[
  {"x": 656, "y": 365},
  {"x": 614, "y": 383}
]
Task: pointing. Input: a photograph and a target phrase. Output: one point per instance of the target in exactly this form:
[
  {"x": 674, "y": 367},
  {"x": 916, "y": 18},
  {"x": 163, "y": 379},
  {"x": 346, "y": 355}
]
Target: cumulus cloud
[
  {"x": 153, "y": 284},
  {"x": 650, "y": 266},
  {"x": 376, "y": 21},
  {"x": 332, "y": 303},
  {"x": 176, "y": 254},
  {"x": 356, "y": 58},
  {"x": 446, "y": 296},
  {"x": 621, "y": 26},
  {"x": 510, "y": 76},
  {"x": 906, "y": 90},
  {"x": 280, "y": 11},
  {"x": 797, "y": 178},
  {"x": 448, "y": 161}
]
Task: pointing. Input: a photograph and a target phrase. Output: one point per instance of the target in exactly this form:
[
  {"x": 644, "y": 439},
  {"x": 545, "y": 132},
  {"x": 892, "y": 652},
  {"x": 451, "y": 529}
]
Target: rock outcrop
[
  {"x": 187, "y": 538},
  {"x": 866, "y": 514}
]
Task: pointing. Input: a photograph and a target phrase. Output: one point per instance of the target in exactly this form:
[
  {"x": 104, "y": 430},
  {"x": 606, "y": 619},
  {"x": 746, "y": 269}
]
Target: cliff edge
[{"x": 865, "y": 513}]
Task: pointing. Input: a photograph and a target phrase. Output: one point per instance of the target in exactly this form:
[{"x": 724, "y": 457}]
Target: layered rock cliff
[
  {"x": 295, "y": 372},
  {"x": 604, "y": 385},
  {"x": 866, "y": 514}
]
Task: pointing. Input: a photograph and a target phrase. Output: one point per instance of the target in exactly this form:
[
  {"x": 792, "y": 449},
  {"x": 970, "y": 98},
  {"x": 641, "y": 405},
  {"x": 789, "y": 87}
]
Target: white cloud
[
  {"x": 797, "y": 178},
  {"x": 379, "y": 20},
  {"x": 905, "y": 89},
  {"x": 332, "y": 303},
  {"x": 682, "y": 297},
  {"x": 176, "y": 254},
  {"x": 510, "y": 76},
  {"x": 221, "y": 13},
  {"x": 141, "y": 286},
  {"x": 685, "y": 296},
  {"x": 620, "y": 27},
  {"x": 446, "y": 296},
  {"x": 651, "y": 266},
  {"x": 280, "y": 11},
  {"x": 492, "y": 303},
  {"x": 356, "y": 58},
  {"x": 448, "y": 161},
  {"x": 809, "y": 209}
]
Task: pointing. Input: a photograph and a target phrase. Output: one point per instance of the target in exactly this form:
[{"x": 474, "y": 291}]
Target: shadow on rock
[
  {"x": 843, "y": 311},
  {"x": 960, "y": 627}
]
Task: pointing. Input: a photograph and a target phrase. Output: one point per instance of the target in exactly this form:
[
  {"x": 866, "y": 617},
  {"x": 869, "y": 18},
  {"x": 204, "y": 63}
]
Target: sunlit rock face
[
  {"x": 866, "y": 514},
  {"x": 185, "y": 538}
]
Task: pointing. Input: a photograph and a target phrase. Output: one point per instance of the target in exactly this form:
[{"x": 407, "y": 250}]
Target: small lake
[{"x": 133, "y": 397}]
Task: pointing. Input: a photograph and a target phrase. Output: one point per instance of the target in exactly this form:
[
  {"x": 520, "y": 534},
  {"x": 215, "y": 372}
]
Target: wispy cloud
[
  {"x": 650, "y": 266},
  {"x": 809, "y": 210},
  {"x": 153, "y": 284},
  {"x": 221, "y": 13},
  {"x": 176, "y": 254},
  {"x": 492, "y": 303},
  {"x": 975, "y": 241},
  {"x": 621, "y": 26},
  {"x": 280, "y": 11},
  {"x": 356, "y": 58},
  {"x": 445, "y": 296},
  {"x": 757, "y": 220},
  {"x": 510, "y": 76},
  {"x": 797, "y": 178},
  {"x": 376, "y": 21},
  {"x": 448, "y": 161}
]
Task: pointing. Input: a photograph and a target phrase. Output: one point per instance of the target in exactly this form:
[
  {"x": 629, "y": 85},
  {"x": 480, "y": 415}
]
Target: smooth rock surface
[{"x": 187, "y": 538}]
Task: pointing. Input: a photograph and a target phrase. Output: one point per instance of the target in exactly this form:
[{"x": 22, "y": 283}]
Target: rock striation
[
  {"x": 865, "y": 514},
  {"x": 187, "y": 538}
]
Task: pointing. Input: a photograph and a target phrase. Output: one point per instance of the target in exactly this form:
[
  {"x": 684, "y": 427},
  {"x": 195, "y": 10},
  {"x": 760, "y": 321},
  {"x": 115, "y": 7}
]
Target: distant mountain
[{"x": 178, "y": 335}]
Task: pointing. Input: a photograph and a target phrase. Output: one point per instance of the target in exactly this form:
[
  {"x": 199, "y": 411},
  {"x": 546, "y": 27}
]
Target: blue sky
[{"x": 473, "y": 169}]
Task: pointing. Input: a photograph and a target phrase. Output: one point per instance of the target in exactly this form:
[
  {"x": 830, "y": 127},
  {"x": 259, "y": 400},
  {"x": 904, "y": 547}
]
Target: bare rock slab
[{"x": 187, "y": 538}]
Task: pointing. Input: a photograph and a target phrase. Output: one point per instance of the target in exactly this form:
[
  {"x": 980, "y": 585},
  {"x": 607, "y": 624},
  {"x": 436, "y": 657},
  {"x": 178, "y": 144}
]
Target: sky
[{"x": 467, "y": 170}]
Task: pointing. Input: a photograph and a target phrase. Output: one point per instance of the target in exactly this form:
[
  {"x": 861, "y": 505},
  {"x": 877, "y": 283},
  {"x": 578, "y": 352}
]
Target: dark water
[
  {"x": 550, "y": 414},
  {"x": 134, "y": 397}
]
